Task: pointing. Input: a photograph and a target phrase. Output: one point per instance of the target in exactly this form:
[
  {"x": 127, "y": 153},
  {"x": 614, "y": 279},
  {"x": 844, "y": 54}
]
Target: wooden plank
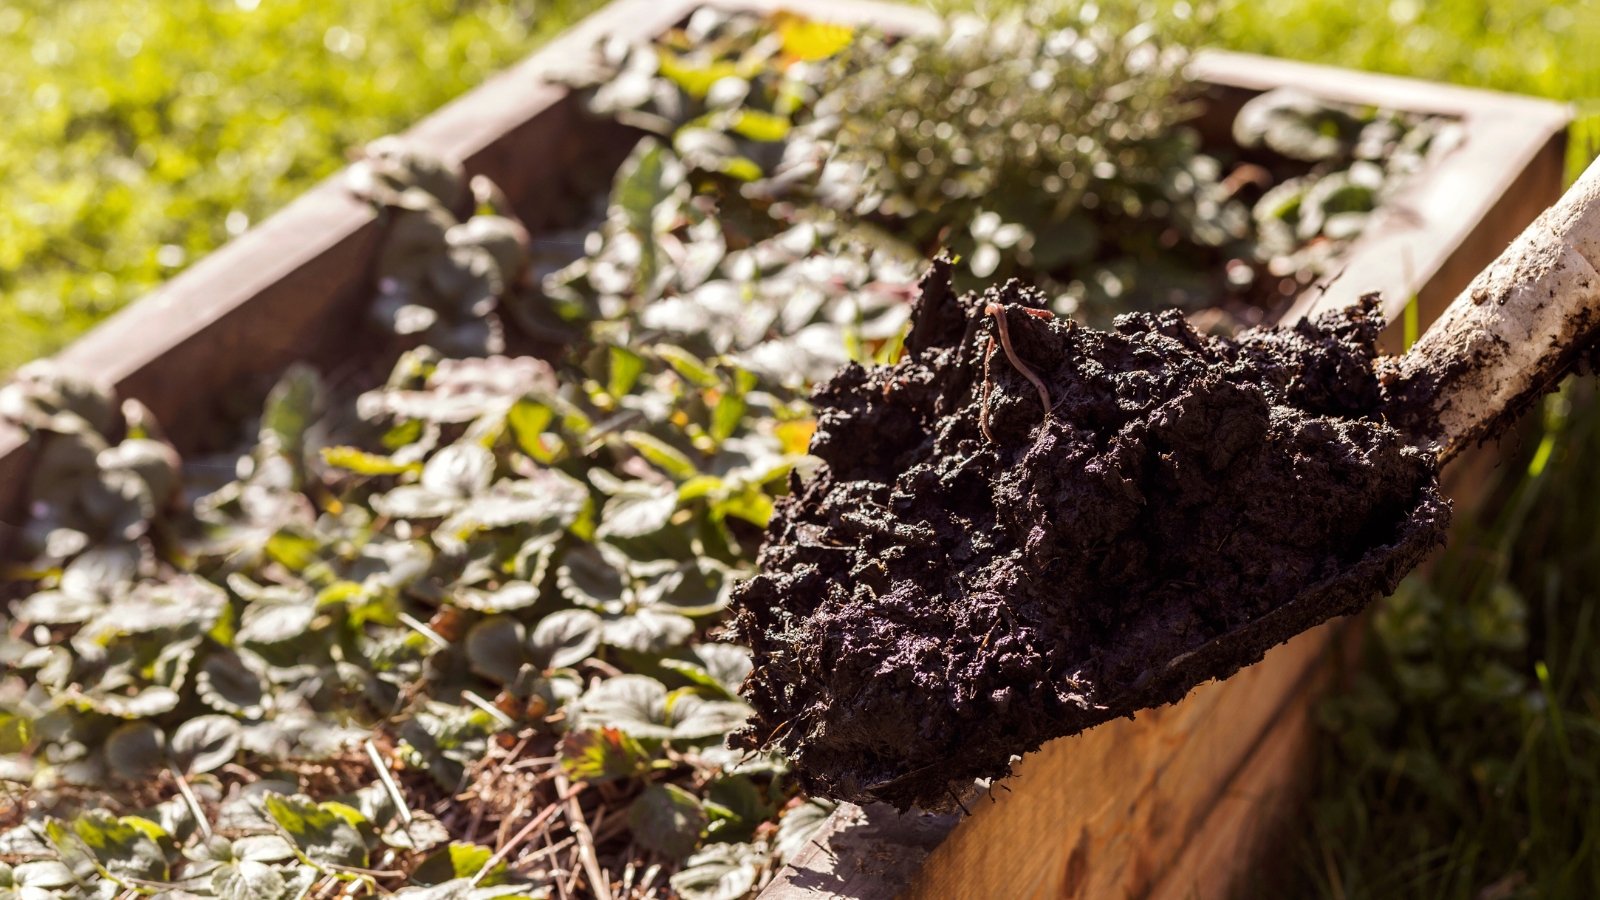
[
  {"x": 1435, "y": 233},
  {"x": 1103, "y": 813},
  {"x": 1254, "y": 816}
]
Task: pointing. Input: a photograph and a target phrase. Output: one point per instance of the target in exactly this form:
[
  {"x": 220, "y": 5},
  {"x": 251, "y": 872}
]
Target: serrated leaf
[
  {"x": 272, "y": 622},
  {"x": 633, "y": 704},
  {"x": 136, "y": 750},
  {"x": 459, "y": 860},
  {"x": 205, "y": 743},
  {"x": 495, "y": 648},
  {"x": 587, "y": 578},
  {"x": 319, "y": 833},
  {"x": 645, "y": 630},
  {"x": 248, "y": 880},
  {"x": 800, "y": 824},
  {"x": 667, "y": 819},
  {"x": 695, "y": 588},
  {"x": 692, "y": 717},
  {"x": 602, "y": 754},
  {"x": 263, "y": 848},
  {"x": 227, "y": 685},
  {"x": 459, "y": 470},
  {"x": 640, "y": 510},
  {"x": 565, "y": 638},
  {"x": 143, "y": 704},
  {"x": 720, "y": 872},
  {"x": 510, "y": 596},
  {"x": 120, "y": 846}
]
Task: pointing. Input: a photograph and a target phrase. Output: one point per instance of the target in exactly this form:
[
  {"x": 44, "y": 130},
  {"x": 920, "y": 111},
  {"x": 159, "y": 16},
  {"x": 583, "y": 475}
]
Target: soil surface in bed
[{"x": 968, "y": 575}]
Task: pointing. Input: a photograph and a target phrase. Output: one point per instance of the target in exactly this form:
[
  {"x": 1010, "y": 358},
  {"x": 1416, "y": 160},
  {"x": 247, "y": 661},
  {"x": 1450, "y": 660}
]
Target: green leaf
[
  {"x": 693, "y": 717},
  {"x": 16, "y": 732},
  {"x": 799, "y": 825},
  {"x": 667, "y": 819},
  {"x": 689, "y": 366},
  {"x": 275, "y": 621},
  {"x": 512, "y": 595},
  {"x": 665, "y": 456},
  {"x": 528, "y": 420},
  {"x": 413, "y": 501},
  {"x": 634, "y": 704},
  {"x": 353, "y": 459},
  {"x": 809, "y": 39},
  {"x": 459, "y": 470},
  {"x": 726, "y": 416},
  {"x": 290, "y": 408},
  {"x": 125, "y": 847},
  {"x": 565, "y": 638},
  {"x": 645, "y": 630},
  {"x": 696, "y": 588},
  {"x": 495, "y": 648},
  {"x": 206, "y": 743},
  {"x": 136, "y": 750},
  {"x": 695, "y": 80},
  {"x": 602, "y": 754},
  {"x": 248, "y": 879},
  {"x": 293, "y": 549},
  {"x": 761, "y": 126},
  {"x": 317, "y": 831},
  {"x": 423, "y": 833},
  {"x": 459, "y": 860},
  {"x": 639, "y": 510},
  {"x": 625, "y": 369},
  {"x": 720, "y": 872},
  {"x": 587, "y": 578}
]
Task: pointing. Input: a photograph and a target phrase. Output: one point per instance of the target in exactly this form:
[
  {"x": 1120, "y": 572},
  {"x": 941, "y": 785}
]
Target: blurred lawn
[{"x": 141, "y": 134}]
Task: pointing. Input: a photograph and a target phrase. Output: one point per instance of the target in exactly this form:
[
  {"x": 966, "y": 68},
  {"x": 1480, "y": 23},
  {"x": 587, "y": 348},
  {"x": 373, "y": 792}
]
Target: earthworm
[{"x": 999, "y": 313}]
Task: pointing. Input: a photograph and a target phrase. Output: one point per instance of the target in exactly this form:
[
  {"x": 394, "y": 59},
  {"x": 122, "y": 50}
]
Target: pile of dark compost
[{"x": 967, "y": 576}]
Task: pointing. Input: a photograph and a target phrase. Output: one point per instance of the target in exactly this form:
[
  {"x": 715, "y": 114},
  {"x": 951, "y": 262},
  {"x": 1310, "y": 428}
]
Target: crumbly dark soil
[{"x": 933, "y": 603}]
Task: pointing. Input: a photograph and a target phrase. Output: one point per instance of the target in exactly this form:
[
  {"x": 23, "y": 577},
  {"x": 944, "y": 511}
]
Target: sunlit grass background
[{"x": 1465, "y": 761}]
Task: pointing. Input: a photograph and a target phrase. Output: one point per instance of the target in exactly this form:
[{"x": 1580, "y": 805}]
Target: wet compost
[{"x": 1027, "y": 527}]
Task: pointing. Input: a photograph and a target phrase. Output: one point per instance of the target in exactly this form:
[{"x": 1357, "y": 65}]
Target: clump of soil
[{"x": 967, "y": 577}]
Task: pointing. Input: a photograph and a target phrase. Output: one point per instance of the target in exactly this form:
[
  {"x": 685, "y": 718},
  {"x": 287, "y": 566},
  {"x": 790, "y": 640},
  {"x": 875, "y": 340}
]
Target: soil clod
[{"x": 965, "y": 578}]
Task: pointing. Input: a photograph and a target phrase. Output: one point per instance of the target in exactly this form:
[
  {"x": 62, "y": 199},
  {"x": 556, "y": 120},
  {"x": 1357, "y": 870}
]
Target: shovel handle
[{"x": 1509, "y": 337}]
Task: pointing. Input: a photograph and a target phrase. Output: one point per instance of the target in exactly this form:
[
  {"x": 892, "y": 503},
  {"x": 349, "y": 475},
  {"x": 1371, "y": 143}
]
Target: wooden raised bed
[{"x": 1173, "y": 804}]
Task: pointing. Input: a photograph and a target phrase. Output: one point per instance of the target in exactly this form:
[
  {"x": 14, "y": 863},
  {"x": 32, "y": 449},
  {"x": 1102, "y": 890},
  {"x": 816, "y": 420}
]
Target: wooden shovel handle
[{"x": 1509, "y": 337}]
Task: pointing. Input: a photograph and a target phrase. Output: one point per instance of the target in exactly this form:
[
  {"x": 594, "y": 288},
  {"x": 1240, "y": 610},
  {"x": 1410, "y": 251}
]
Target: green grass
[{"x": 140, "y": 134}]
